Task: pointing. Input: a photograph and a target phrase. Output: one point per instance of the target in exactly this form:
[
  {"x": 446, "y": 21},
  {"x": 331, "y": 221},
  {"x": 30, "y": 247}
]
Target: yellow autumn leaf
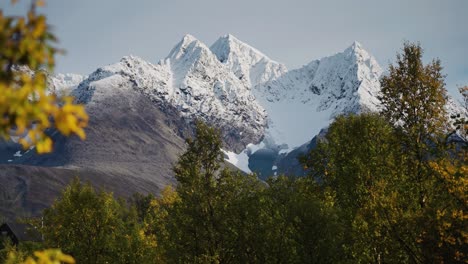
[
  {"x": 44, "y": 145},
  {"x": 25, "y": 105}
]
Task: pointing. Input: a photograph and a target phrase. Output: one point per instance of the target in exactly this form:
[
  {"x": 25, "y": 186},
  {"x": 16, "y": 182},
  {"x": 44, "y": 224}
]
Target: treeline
[{"x": 382, "y": 188}]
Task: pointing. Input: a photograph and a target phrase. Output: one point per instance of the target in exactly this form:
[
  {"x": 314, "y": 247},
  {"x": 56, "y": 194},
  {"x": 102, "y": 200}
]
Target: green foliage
[
  {"x": 198, "y": 166},
  {"x": 399, "y": 192},
  {"x": 358, "y": 152},
  {"x": 9, "y": 249},
  {"x": 157, "y": 224},
  {"x": 200, "y": 224},
  {"x": 358, "y": 166},
  {"x": 414, "y": 96},
  {"x": 83, "y": 223},
  {"x": 219, "y": 216},
  {"x": 95, "y": 228},
  {"x": 358, "y": 207},
  {"x": 300, "y": 225},
  {"x": 142, "y": 204}
]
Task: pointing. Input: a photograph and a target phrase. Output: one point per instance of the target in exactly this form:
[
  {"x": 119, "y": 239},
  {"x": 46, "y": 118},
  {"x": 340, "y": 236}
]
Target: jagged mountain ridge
[
  {"x": 251, "y": 66},
  {"x": 252, "y": 98},
  {"x": 230, "y": 85},
  {"x": 192, "y": 80},
  {"x": 347, "y": 82},
  {"x": 351, "y": 75},
  {"x": 255, "y": 101}
]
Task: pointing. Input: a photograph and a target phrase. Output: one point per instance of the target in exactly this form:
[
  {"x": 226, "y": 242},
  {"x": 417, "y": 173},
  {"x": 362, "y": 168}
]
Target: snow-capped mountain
[
  {"x": 64, "y": 83},
  {"x": 192, "y": 80},
  {"x": 231, "y": 84},
  {"x": 255, "y": 101},
  {"x": 258, "y": 104},
  {"x": 211, "y": 91},
  {"x": 250, "y": 65},
  {"x": 303, "y": 101}
]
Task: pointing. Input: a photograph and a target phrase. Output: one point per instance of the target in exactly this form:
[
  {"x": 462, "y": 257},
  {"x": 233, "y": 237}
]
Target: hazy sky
[{"x": 100, "y": 32}]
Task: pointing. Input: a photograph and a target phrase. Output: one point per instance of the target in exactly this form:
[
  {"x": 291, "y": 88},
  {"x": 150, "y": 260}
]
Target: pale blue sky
[{"x": 294, "y": 32}]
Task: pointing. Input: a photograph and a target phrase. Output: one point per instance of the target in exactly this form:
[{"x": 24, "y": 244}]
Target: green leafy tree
[
  {"x": 358, "y": 167},
  {"x": 196, "y": 218},
  {"x": 95, "y": 228},
  {"x": 201, "y": 227},
  {"x": 299, "y": 224},
  {"x": 224, "y": 217},
  {"x": 83, "y": 223},
  {"x": 216, "y": 217},
  {"x": 241, "y": 203},
  {"x": 158, "y": 226},
  {"x": 142, "y": 204},
  {"x": 414, "y": 97}
]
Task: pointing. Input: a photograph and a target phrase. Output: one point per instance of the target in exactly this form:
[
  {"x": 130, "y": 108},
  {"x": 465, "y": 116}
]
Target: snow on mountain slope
[
  {"x": 65, "y": 83},
  {"x": 250, "y": 65},
  {"x": 193, "y": 81},
  {"x": 254, "y": 100},
  {"x": 303, "y": 101},
  {"x": 453, "y": 107}
]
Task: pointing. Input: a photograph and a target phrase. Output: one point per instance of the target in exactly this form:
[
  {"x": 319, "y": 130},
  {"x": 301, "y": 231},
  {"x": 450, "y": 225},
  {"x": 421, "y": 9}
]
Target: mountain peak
[
  {"x": 189, "y": 38},
  {"x": 250, "y": 65},
  {"x": 356, "y": 45},
  {"x": 357, "y": 50},
  {"x": 229, "y": 36},
  {"x": 188, "y": 43},
  {"x": 229, "y": 44},
  {"x": 231, "y": 40},
  {"x": 186, "y": 40},
  {"x": 130, "y": 58}
]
